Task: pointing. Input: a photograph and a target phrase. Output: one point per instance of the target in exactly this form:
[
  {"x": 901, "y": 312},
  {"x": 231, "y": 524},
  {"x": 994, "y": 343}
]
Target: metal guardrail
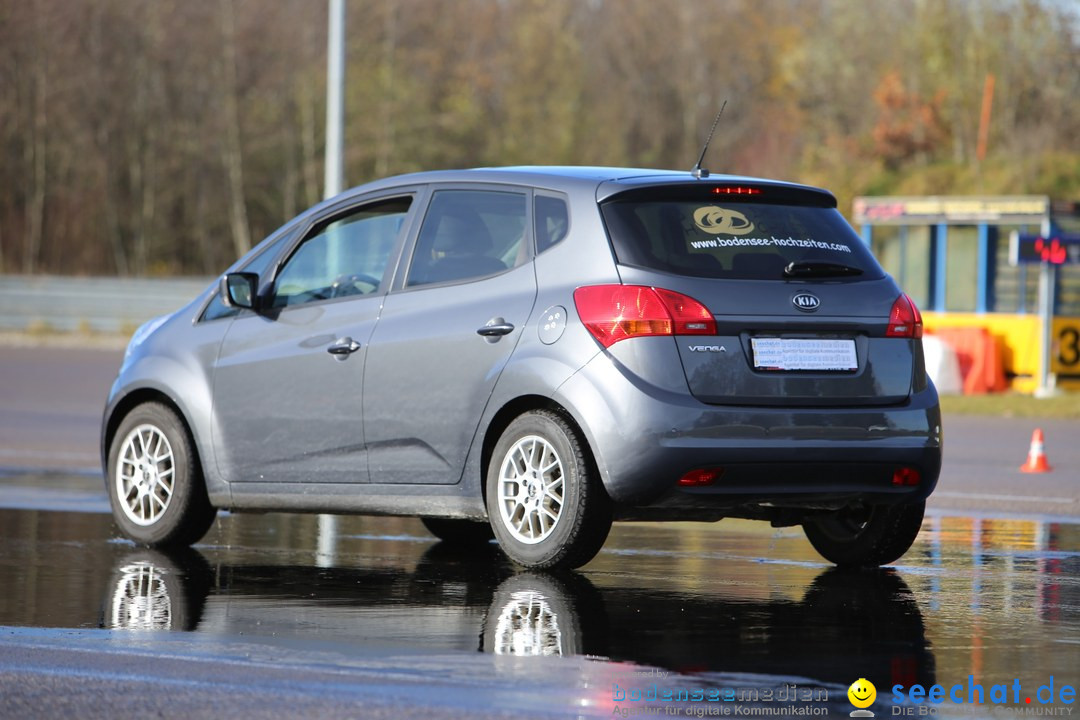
[{"x": 99, "y": 304}]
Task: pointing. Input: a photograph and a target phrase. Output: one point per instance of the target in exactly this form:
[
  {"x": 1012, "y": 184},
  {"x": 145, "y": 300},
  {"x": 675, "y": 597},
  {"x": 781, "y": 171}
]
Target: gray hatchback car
[{"x": 534, "y": 353}]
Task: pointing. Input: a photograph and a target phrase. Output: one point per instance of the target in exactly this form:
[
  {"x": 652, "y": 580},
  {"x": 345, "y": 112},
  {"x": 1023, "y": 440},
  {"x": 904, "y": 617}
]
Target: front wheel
[
  {"x": 545, "y": 501},
  {"x": 865, "y": 535},
  {"x": 154, "y": 480}
]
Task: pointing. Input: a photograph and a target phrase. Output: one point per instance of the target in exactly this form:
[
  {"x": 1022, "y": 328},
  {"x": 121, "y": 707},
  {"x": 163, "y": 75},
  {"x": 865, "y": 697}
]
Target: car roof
[{"x": 603, "y": 181}]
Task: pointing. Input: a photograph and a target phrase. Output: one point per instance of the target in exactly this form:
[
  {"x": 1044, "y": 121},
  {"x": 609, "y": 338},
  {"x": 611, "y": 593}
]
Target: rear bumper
[
  {"x": 779, "y": 490},
  {"x": 645, "y": 438}
]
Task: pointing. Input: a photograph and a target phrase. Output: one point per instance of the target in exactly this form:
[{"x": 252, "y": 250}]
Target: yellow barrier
[{"x": 1019, "y": 338}]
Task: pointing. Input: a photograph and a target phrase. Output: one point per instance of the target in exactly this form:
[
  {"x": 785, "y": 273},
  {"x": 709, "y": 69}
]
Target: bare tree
[
  {"x": 233, "y": 153},
  {"x": 36, "y": 145}
]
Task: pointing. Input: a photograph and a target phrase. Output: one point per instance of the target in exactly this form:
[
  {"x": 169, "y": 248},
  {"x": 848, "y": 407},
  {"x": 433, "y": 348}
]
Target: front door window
[{"x": 347, "y": 256}]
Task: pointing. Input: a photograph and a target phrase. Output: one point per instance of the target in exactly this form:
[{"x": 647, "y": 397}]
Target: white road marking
[{"x": 1011, "y": 498}]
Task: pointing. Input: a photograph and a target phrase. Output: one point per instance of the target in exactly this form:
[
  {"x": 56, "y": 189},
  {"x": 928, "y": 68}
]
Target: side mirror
[{"x": 240, "y": 290}]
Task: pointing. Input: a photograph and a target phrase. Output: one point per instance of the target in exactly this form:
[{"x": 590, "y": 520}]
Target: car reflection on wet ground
[{"x": 702, "y": 608}]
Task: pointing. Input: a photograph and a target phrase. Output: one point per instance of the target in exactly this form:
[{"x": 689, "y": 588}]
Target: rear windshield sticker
[
  {"x": 772, "y": 241},
  {"x": 715, "y": 220}
]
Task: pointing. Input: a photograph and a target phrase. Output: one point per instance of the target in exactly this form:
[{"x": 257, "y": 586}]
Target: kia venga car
[{"x": 534, "y": 353}]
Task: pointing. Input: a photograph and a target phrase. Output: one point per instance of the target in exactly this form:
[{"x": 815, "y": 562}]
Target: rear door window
[
  {"x": 469, "y": 234},
  {"x": 717, "y": 237}
]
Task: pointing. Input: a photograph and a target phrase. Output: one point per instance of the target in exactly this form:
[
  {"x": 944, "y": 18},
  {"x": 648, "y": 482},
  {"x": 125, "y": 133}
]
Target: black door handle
[
  {"x": 496, "y": 329},
  {"x": 343, "y": 346}
]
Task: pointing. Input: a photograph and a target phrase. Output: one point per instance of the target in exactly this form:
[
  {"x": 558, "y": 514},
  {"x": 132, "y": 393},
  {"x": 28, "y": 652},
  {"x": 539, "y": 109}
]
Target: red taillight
[
  {"x": 690, "y": 316},
  {"x": 701, "y": 478},
  {"x": 906, "y": 477},
  {"x": 617, "y": 312},
  {"x": 736, "y": 190},
  {"x": 904, "y": 319}
]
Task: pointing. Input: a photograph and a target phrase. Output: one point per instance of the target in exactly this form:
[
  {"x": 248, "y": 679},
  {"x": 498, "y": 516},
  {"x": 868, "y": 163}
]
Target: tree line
[{"x": 164, "y": 137}]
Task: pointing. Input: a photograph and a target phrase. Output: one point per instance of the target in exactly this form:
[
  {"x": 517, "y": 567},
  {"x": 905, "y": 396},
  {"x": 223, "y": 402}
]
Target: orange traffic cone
[{"x": 1036, "y": 460}]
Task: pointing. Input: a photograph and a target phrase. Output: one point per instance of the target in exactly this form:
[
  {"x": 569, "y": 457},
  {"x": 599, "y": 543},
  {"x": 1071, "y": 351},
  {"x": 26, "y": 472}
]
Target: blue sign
[{"x": 1056, "y": 249}]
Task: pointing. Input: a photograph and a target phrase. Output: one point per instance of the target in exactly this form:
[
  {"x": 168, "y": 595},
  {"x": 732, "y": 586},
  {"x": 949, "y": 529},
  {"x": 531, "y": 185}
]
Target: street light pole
[
  {"x": 333, "y": 183},
  {"x": 334, "y": 180}
]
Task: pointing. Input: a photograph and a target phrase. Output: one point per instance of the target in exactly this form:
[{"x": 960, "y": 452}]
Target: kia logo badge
[{"x": 806, "y": 302}]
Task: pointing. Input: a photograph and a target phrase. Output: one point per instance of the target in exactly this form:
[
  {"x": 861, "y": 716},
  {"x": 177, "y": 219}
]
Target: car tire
[
  {"x": 154, "y": 480},
  {"x": 862, "y": 536},
  {"x": 546, "y": 504},
  {"x": 536, "y": 614},
  {"x": 157, "y": 590},
  {"x": 459, "y": 532}
]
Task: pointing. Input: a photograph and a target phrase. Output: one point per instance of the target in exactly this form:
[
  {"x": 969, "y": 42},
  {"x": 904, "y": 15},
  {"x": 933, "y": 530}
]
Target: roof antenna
[{"x": 697, "y": 171}]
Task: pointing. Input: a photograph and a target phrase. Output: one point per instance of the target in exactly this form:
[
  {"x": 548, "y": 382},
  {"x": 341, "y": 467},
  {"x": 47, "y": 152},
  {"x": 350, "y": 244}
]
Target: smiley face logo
[{"x": 862, "y": 693}]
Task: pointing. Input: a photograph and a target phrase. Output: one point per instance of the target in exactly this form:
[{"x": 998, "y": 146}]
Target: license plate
[{"x": 804, "y": 354}]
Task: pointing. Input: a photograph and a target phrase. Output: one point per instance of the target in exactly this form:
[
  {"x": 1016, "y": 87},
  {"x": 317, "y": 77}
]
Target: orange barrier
[
  {"x": 980, "y": 359},
  {"x": 1020, "y": 339}
]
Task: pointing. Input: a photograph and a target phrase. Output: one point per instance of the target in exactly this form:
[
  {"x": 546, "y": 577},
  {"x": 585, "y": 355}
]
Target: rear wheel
[
  {"x": 865, "y": 535},
  {"x": 157, "y": 590},
  {"x": 545, "y": 501},
  {"x": 154, "y": 480},
  {"x": 459, "y": 532},
  {"x": 541, "y": 614}
]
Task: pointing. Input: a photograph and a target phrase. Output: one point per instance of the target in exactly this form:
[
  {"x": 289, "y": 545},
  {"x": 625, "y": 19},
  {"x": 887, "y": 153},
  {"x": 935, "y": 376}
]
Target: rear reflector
[
  {"x": 906, "y": 477},
  {"x": 617, "y": 312},
  {"x": 701, "y": 477},
  {"x": 904, "y": 319}
]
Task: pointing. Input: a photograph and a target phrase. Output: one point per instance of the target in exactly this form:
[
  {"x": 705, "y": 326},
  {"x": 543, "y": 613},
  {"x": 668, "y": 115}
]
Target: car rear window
[{"x": 715, "y": 237}]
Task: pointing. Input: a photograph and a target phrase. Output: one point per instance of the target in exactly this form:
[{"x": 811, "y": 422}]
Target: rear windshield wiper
[{"x": 819, "y": 269}]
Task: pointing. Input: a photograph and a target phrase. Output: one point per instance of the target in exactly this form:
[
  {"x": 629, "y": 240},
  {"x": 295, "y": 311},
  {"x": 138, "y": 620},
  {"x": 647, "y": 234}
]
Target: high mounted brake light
[
  {"x": 617, "y": 312},
  {"x": 736, "y": 190}
]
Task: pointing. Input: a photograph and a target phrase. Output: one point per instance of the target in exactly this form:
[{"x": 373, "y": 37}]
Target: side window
[
  {"x": 552, "y": 221},
  {"x": 469, "y": 234},
  {"x": 346, "y": 256}
]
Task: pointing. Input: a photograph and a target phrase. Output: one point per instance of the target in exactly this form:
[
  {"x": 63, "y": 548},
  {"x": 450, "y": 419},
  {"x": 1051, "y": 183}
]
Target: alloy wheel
[
  {"x": 145, "y": 475},
  {"x": 531, "y": 489}
]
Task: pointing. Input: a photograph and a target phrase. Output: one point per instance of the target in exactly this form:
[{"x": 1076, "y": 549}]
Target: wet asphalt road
[
  {"x": 283, "y": 616},
  {"x": 301, "y": 616}
]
